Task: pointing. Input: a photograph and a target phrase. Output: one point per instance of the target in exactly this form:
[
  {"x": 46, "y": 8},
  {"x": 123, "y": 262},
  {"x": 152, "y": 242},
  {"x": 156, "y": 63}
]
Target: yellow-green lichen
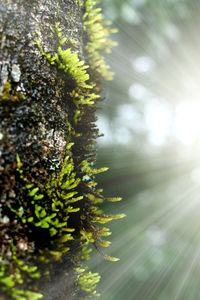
[{"x": 8, "y": 96}]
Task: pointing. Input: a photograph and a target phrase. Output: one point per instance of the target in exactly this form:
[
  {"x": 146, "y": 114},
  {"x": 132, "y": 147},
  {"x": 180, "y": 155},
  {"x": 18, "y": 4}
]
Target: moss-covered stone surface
[{"x": 51, "y": 66}]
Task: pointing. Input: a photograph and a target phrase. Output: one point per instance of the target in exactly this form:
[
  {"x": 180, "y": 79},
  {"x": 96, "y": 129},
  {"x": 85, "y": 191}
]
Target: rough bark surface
[{"x": 34, "y": 111}]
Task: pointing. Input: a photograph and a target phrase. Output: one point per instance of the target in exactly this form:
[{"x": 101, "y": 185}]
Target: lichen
[{"x": 7, "y": 96}]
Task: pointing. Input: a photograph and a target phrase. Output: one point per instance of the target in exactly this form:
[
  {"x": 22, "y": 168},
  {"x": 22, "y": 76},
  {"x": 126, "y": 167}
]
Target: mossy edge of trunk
[{"x": 51, "y": 72}]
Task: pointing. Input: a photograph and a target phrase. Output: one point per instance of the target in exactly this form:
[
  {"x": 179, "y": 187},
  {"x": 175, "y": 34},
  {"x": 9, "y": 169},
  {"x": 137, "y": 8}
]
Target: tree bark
[{"x": 51, "y": 67}]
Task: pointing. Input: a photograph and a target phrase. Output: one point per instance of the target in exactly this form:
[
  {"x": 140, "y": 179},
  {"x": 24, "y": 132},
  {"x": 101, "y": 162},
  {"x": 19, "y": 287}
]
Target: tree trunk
[{"x": 51, "y": 67}]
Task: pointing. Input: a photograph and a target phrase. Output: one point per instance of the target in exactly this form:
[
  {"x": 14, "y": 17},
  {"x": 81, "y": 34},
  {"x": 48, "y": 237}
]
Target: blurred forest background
[{"x": 151, "y": 121}]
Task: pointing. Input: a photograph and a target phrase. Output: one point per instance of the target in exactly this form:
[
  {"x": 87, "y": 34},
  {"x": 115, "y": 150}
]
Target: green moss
[
  {"x": 61, "y": 192},
  {"x": 87, "y": 281},
  {"x": 67, "y": 60},
  {"x": 13, "y": 284},
  {"x": 98, "y": 32}
]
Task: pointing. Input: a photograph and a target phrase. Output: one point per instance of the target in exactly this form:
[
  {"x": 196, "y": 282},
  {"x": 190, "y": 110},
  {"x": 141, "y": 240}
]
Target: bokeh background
[{"x": 151, "y": 122}]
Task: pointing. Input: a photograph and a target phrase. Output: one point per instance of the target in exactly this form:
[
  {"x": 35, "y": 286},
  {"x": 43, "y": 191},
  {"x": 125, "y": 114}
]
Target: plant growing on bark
[{"x": 49, "y": 206}]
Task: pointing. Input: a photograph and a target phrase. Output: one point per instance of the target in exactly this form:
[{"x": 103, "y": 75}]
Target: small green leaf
[
  {"x": 33, "y": 192},
  {"x": 63, "y": 41}
]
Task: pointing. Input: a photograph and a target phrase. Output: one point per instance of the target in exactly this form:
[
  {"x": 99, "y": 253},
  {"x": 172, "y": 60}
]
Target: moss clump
[
  {"x": 12, "y": 284},
  {"x": 67, "y": 60},
  {"x": 87, "y": 281},
  {"x": 98, "y": 32}
]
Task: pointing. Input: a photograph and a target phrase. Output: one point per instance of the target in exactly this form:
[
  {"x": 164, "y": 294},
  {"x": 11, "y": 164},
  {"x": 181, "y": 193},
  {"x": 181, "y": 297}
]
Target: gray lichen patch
[
  {"x": 15, "y": 73},
  {"x": 4, "y": 73}
]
